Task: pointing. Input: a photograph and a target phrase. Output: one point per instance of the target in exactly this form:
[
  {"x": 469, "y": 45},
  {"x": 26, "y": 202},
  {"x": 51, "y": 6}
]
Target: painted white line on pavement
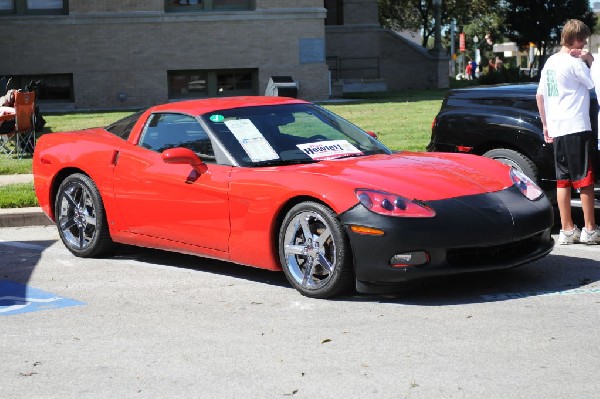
[{"x": 518, "y": 295}]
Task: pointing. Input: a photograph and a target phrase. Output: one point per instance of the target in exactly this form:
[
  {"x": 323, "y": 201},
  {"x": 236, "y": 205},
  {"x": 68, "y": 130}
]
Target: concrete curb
[{"x": 21, "y": 217}]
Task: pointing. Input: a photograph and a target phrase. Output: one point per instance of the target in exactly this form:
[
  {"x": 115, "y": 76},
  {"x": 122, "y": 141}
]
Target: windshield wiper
[
  {"x": 351, "y": 156},
  {"x": 281, "y": 162}
]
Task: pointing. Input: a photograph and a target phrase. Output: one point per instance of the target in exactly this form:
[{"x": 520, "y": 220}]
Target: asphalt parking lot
[{"x": 146, "y": 323}]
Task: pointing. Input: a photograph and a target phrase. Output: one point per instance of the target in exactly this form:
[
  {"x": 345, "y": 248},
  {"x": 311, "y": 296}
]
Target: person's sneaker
[
  {"x": 590, "y": 237},
  {"x": 569, "y": 237}
]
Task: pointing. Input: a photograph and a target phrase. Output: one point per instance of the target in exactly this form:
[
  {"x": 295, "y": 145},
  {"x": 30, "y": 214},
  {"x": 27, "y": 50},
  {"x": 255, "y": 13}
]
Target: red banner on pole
[{"x": 461, "y": 42}]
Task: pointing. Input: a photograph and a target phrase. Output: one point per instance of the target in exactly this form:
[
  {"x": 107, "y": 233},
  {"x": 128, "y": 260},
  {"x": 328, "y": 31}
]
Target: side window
[{"x": 170, "y": 130}]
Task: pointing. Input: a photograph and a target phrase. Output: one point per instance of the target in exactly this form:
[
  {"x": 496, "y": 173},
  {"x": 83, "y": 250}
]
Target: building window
[
  {"x": 34, "y": 7},
  {"x": 212, "y": 83},
  {"x": 234, "y": 83},
  {"x": 335, "y": 12},
  {"x": 58, "y": 88},
  {"x": 208, "y": 5}
]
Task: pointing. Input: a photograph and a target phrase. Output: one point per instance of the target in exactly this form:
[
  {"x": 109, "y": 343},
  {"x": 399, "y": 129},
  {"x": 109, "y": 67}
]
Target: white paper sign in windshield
[
  {"x": 252, "y": 140},
  {"x": 329, "y": 149}
]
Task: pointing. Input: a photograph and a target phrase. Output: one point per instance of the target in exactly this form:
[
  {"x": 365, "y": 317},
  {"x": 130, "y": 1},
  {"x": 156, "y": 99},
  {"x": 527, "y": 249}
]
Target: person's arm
[
  {"x": 539, "y": 98},
  {"x": 595, "y": 73},
  {"x": 588, "y": 58}
]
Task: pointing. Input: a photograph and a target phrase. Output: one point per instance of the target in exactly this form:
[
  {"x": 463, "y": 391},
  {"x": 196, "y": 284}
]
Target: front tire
[
  {"x": 80, "y": 217},
  {"x": 315, "y": 252}
]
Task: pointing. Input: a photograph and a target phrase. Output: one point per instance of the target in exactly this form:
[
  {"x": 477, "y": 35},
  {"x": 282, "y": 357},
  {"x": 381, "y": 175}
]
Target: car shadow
[
  {"x": 553, "y": 275},
  {"x": 191, "y": 262}
]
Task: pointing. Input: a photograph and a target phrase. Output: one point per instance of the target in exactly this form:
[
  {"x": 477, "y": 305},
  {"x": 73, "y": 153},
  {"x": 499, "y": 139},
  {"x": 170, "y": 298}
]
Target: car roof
[
  {"x": 506, "y": 90},
  {"x": 202, "y": 106},
  {"x": 522, "y": 91}
]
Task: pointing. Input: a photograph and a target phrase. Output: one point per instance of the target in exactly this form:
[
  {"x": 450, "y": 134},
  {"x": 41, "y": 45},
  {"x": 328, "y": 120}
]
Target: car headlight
[
  {"x": 393, "y": 205},
  {"x": 525, "y": 184}
]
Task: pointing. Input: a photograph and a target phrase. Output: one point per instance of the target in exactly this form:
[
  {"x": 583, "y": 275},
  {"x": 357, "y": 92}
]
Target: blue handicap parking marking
[{"x": 18, "y": 298}]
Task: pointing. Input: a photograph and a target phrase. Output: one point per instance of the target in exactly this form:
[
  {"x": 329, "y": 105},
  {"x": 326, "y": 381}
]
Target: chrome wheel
[
  {"x": 77, "y": 216},
  {"x": 314, "y": 251},
  {"x": 80, "y": 217},
  {"x": 309, "y": 250}
]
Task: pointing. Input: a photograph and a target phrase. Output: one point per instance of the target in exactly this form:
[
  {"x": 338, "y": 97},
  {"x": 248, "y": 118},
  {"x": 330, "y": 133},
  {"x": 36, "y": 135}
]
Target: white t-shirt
[
  {"x": 595, "y": 72},
  {"x": 565, "y": 83}
]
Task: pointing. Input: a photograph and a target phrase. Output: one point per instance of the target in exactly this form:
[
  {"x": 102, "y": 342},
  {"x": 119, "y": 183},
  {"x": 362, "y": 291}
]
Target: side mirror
[
  {"x": 180, "y": 155},
  {"x": 372, "y": 134}
]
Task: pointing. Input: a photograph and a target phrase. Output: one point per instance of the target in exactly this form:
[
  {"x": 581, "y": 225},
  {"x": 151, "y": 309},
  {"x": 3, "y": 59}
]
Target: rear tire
[{"x": 80, "y": 217}]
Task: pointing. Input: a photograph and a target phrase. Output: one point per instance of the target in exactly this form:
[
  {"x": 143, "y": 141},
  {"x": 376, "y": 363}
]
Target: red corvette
[{"x": 280, "y": 183}]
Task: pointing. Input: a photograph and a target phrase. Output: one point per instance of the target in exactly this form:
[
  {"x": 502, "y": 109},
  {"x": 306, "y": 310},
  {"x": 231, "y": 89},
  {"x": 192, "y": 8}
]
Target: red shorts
[{"x": 574, "y": 157}]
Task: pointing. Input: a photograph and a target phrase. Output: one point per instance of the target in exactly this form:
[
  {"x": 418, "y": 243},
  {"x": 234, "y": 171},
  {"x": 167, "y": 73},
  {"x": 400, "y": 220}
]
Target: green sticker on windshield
[{"x": 217, "y": 118}]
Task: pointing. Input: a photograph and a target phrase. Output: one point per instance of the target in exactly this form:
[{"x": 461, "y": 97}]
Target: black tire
[
  {"x": 320, "y": 270},
  {"x": 81, "y": 219},
  {"x": 515, "y": 159}
]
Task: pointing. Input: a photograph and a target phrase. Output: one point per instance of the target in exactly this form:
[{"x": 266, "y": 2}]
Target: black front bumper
[{"x": 473, "y": 233}]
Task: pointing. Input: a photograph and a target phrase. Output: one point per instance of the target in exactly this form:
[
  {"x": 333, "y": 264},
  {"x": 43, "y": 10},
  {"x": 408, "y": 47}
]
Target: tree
[
  {"x": 417, "y": 15},
  {"x": 541, "y": 22},
  {"x": 411, "y": 15}
]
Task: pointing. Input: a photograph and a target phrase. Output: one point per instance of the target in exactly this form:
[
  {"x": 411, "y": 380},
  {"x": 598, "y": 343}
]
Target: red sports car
[{"x": 280, "y": 183}]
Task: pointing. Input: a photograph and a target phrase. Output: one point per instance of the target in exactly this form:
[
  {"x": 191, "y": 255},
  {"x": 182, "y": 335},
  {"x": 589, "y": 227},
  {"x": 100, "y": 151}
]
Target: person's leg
[
  {"x": 583, "y": 178},
  {"x": 569, "y": 233},
  {"x": 563, "y": 197},
  {"x": 587, "y": 205},
  {"x": 590, "y": 233}
]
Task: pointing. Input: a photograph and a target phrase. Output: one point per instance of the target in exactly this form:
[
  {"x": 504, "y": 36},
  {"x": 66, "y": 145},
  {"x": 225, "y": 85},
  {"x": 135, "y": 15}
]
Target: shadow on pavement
[
  {"x": 165, "y": 258},
  {"x": 18, "y": 262},
  {"x": 553, "y": 275}
]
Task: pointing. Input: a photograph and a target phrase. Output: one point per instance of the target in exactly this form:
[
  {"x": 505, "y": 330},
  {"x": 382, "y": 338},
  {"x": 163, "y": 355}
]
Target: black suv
[{"x": 501, "y": 122}]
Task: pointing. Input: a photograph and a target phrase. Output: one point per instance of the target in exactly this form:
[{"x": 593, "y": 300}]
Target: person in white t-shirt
[{"x": 563, "y": 99}]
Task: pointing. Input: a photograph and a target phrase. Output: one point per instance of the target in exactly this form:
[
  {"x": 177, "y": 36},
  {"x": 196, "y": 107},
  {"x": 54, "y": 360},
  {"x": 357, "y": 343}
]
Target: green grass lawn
[
  {"x": 17, "y": 196},
  {"x": 401, "y": 120}
]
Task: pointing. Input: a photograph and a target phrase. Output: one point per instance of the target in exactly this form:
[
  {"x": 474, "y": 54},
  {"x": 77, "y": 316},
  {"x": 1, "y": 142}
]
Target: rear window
[
  {"x": 122, "y": 127},
  {"x": 525, "y": 104}
]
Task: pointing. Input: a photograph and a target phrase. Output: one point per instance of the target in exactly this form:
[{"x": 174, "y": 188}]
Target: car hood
[{"x": 423, "y": 176}]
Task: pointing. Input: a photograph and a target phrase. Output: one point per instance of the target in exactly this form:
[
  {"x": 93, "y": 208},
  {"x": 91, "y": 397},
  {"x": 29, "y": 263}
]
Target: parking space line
[{"x": 518, "y": 295}]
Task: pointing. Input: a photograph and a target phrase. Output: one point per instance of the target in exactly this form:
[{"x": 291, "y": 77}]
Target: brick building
[{"x": 109, "y": 54}]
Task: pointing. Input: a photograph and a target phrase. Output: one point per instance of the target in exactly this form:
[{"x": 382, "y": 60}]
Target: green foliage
[
  {"x": 541, "y": 22},
  {"x": 505, "y": 75},
  {"x": 481, "y": 17},
  {"x": 521, "y": 21},
  {"x": 17, "y": 196}
]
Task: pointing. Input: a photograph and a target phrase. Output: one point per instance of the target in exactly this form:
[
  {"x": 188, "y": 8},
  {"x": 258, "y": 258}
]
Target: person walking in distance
[{"x": 563, "y": 100}]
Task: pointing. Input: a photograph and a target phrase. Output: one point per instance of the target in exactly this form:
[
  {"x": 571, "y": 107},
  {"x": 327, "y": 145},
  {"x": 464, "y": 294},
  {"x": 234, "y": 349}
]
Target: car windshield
[{"x": 289, "y": 134}]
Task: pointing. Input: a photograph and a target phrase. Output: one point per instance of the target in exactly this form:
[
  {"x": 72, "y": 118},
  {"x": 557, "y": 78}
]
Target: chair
[{"x": 21, "y": 141}]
